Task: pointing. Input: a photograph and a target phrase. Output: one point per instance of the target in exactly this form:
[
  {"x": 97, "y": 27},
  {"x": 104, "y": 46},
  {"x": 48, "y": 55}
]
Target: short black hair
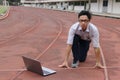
[{"x": 87, "y": 13}]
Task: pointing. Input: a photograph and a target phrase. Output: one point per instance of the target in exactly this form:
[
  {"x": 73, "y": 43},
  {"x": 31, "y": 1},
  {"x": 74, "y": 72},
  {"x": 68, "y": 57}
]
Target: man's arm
[
  {"x": 67, "y": 53},
  {"x": 98, "y": 57}
]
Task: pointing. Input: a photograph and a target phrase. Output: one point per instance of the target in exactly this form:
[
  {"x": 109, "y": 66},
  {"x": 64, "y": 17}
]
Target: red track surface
[{"x": 42, "y": 34}]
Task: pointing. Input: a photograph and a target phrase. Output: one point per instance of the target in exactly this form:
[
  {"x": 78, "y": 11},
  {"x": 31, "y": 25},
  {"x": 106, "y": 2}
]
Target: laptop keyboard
[{"x": 46, "y": 72}]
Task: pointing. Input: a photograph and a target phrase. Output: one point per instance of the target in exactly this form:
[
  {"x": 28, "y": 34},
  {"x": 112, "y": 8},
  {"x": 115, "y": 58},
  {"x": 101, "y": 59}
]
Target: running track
[{"x": 41, "y": 34}]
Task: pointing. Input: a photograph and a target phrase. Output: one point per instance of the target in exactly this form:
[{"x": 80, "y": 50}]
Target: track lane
[{"x": 28, "y": 40}]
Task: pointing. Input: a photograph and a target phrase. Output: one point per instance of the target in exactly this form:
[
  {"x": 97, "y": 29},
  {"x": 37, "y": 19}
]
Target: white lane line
[
  {"x": 104, "y": 64},
  {"x": 5, "y": 70}
]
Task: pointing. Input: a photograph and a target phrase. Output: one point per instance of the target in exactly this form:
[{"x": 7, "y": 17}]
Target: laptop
[{"x": 35, "y": 66}]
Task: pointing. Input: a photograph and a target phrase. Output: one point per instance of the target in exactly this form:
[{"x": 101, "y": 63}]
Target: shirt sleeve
[
  {"x": 95, "y": 38},
  {"x": 71, "y": 35}
]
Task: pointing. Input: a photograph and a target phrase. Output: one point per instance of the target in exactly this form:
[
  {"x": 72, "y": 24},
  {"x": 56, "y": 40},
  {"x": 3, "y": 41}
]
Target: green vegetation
[{"x": 3, "y": 9}]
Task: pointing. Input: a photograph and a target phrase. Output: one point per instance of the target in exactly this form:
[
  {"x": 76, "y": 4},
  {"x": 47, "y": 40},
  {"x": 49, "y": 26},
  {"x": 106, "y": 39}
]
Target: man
[{"x": 80, "y": 35}]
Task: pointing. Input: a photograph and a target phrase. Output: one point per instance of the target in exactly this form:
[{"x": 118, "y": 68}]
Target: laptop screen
[{"x": 33, "y": 65}]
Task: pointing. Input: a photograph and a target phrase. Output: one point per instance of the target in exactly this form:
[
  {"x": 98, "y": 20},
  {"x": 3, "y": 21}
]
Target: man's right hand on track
[{"x": 64, "y": 65}]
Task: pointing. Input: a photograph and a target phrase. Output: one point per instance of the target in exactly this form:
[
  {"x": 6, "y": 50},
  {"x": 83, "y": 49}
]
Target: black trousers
[{"x": 79, "y": 49}]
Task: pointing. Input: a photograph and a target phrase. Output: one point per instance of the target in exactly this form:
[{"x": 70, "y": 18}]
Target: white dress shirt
[{"x": 91, "y": 33}]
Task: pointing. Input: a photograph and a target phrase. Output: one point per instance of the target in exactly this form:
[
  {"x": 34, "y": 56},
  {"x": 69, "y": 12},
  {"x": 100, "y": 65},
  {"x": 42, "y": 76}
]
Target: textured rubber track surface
[{"x": 42, "y": 34}]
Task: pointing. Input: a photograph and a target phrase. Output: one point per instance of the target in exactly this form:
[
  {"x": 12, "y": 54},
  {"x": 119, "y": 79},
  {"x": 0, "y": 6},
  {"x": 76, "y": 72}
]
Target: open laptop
[{"x": 35, "y": 66}]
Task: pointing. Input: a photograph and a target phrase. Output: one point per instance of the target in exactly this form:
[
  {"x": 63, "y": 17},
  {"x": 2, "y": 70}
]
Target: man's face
[{"x": 83, "y": 21}]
